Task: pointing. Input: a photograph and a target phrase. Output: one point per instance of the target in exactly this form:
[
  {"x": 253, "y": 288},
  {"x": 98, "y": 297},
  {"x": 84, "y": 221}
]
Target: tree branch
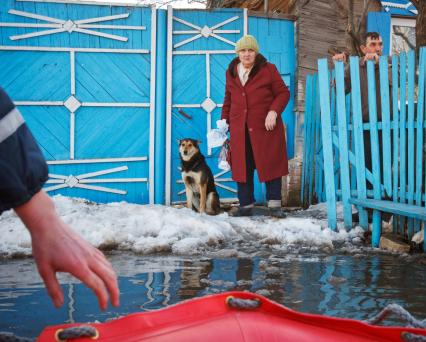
[
  {"x": 356, "y": 43},
  {"x": 398, "y": 32},
  {"x": 305, "y": 3},
  {"x": 342, "y": 10},
  {"x": 351, "y": 21},
  {"x": 292, "y": 3},
  {"x": 363, "y": 16}
]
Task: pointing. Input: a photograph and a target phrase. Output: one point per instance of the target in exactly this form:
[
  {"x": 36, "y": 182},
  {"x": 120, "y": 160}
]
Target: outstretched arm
[{"x": 57, "y": 248}]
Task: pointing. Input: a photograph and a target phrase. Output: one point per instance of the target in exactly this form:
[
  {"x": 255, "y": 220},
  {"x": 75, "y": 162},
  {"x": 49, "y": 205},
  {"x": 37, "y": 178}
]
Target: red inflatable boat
[{"x": 231, "y": 316}]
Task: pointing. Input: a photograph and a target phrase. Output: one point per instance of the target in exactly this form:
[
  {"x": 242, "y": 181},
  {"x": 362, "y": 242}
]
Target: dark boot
[
  {"x": 241, "y": 211},
  {"x": 277, "y": 212}
]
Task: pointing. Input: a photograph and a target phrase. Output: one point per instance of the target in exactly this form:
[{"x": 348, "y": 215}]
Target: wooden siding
[
  {"x": 320, "y": 27},
  {"x": 274, "y": 6}
]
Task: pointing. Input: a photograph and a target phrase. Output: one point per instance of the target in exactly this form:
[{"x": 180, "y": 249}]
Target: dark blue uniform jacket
[{"x": 23, "y": 169}]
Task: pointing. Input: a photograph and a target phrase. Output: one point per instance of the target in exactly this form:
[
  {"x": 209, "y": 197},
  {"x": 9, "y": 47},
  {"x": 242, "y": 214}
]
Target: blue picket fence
[{"x": 334, "y": 165}]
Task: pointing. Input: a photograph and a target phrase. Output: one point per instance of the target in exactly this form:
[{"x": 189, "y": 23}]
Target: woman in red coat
[{"x": 255, "y": 97}]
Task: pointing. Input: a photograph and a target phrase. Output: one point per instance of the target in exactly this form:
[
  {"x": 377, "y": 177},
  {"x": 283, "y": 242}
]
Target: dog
[{"x": 201, "y": 194}]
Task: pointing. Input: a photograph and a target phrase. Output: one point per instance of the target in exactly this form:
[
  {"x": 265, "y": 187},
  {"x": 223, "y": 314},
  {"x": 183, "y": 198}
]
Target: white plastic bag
[
  {"x": 224, "y": 157},
  {"x": 217, "y": 136}
]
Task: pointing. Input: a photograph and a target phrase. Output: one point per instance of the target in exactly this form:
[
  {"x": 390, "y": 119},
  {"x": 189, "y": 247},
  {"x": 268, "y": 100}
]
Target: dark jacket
[
  {"x": 248, "y": 106},
  {"x": 363, "y": 81},
  {"x": 23, "y": 169}
]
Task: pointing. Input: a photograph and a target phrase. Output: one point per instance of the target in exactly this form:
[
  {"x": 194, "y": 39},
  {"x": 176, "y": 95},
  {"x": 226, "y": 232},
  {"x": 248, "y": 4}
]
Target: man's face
[{"x": 373, "y": 46}]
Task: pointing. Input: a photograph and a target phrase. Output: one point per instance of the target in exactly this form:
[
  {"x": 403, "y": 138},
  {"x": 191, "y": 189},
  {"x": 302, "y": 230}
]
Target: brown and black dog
[{"x": 201, "y": 194}]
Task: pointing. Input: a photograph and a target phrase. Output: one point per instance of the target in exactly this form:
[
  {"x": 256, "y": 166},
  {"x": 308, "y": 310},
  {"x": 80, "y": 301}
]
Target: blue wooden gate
[
  {"x": 107, "y": 90},
  {"x": 201, "y": 45},
  {"x": 82, "y": 77}
]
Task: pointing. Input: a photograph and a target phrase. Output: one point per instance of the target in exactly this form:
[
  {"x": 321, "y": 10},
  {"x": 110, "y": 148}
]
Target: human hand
[
  {"x": 340, "y": 57},
  {"x": 57, "y": 248},
  {"x": 371, "y": 56},
  {"x": 271, "y": 120}
]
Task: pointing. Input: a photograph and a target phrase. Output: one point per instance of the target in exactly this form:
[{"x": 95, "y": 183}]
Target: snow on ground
[{"x": 148, "y": 229}]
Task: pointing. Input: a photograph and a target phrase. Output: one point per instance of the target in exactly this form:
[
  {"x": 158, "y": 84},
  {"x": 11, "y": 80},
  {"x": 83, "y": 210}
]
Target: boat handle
[
  {"x": 238, "y": 303},
  {"x": 62, "y": 335},
  {"x": 412, "y": 337}
]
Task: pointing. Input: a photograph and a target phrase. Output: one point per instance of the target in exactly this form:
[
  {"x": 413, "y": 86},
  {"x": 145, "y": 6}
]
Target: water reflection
[{"x": 342, "y": 285}]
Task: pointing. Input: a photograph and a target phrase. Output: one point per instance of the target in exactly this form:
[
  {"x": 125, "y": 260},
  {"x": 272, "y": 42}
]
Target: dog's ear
[
  {"x": 195, "y": 142},
  {"x": 179, "y": 141}
]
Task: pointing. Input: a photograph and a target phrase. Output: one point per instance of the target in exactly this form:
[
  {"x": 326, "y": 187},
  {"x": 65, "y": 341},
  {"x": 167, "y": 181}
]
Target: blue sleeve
[{"x": 23, "y": 169}]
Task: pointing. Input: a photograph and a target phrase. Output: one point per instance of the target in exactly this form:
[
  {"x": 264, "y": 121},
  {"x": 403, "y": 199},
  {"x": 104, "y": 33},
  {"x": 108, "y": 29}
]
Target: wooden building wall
[{"x": 320, "y": 27}]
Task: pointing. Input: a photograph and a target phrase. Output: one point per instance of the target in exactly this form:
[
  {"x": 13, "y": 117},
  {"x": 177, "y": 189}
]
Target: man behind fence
[{"x": 372, "y": 50}]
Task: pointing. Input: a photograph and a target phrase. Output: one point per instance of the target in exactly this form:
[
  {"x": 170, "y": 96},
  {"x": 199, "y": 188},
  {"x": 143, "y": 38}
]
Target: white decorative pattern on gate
[
  {"x": 84, "y": 26},
  {"x": 205, "y": 31},
  {"x": 72, "y": 103}
]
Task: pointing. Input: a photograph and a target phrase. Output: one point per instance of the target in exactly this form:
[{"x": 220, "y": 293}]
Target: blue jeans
[{"x": 246, "y": 190}]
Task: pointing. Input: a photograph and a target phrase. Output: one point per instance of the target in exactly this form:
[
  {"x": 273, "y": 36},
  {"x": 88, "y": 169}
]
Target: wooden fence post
[
  {"x": 385, "y": 106},
  {"x": 395, "y": 123},
  {"x": 403, "y": 136},
  {"x": 420, "y": 130},
  {"x": 359, "y": 139},
  {"x": 343, "y": 144},
  {"x": 410, "y": 135},
  {"x": 327, "y": 141},
  {"x": 375, "y": 154}
]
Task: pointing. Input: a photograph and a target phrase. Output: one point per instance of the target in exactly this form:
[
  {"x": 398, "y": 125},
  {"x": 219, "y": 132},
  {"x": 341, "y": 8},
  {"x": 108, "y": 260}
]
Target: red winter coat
[{"x": 249, "y": 105}]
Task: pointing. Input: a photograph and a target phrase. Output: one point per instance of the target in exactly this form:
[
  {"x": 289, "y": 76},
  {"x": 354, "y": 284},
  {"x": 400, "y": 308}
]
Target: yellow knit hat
[{"x": 247, "y": 42}]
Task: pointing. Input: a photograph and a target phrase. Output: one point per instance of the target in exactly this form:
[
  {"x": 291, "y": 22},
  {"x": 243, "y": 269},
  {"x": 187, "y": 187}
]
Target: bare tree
[
  {"x": 355, "y": 25},
  {"x": 397, "y": 31},
  {"x": 420, "y": 22},
  {"x": 292, "y": 4}
]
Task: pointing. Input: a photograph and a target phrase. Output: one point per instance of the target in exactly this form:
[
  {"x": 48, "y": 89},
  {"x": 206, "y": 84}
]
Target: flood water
[{"x": 356, "y": 285}]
